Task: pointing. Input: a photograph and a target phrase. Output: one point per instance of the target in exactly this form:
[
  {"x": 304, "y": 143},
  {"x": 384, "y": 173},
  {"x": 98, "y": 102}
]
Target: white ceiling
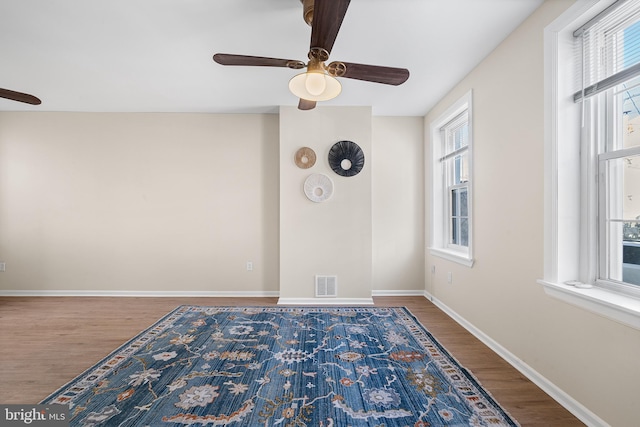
[{"x": 156, "y": 55}]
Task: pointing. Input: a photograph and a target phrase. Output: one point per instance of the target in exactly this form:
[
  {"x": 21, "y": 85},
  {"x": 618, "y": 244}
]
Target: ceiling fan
[
  {"x": 19, "y": 96},
  {"x": 319, "y": 82}
]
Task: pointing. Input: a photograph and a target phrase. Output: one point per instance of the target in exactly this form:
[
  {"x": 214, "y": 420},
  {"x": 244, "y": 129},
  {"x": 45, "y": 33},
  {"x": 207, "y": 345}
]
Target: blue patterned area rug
[{"x": 281, "y": 366}]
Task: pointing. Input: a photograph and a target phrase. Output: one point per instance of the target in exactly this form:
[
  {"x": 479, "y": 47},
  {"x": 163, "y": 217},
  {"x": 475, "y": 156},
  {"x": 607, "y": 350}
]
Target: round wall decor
[
  {"x": 346, "y": 158},
  {"x": 318, "y": 187},
  {"x": 305, "y": 158}
]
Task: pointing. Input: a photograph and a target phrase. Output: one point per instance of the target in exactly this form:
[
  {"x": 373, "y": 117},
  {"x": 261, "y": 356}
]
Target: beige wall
[
  {"x": 593, "y": 359},
  {"x": 138, "y": 202},
  {"x": 331, "y": 237},
  {"x": 179, "y": 202},
  {"x": 398, "y": 203}
]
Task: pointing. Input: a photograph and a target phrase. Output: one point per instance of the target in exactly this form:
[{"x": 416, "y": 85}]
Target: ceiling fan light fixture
[{"x": 315, "y": 86}]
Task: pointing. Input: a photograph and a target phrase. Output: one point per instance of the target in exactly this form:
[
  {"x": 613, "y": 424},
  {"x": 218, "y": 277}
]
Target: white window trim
[
  {"x": 562, "y": 179},
  {"x": 439, "y": 246}
]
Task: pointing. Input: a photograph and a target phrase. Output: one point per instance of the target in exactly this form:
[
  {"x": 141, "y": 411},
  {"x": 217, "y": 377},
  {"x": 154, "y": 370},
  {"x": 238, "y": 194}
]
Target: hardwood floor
[{"x": 47, "y": 341}]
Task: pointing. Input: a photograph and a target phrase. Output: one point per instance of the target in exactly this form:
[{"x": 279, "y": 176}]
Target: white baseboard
[
  {"x": 149, "y": 294},
  {"x": 401, "y": 293},
  {"x": 219, "y": 294},
  {"x": 569, "y": 403},
  {"x": 325, "y": 301}
]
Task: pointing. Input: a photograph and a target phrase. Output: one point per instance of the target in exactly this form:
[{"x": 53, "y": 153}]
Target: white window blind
[{"x": 607, "y": 57}]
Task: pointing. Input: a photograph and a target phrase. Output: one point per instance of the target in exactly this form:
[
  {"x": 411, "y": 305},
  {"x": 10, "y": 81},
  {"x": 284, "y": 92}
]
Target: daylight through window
[
  {"x": 609, "y": 55},
  {"x": 451, "y": 215}
]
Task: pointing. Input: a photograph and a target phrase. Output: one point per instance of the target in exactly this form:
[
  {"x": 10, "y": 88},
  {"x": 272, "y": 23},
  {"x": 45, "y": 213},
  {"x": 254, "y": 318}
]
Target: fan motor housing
[{"x": 307, "y": 11}]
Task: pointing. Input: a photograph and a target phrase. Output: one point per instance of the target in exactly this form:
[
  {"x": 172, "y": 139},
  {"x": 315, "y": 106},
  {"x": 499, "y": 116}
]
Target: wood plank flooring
[{"x": 47, "y": 341}]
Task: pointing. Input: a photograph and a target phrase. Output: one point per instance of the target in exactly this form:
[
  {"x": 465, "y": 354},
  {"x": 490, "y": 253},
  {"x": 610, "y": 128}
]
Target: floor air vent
[{"x": 326, "y": 286}]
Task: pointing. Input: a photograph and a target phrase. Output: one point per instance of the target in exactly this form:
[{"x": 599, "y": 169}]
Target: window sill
[
  {"x": 620, "y": 308},
  {"x": 452, "y": 256}
]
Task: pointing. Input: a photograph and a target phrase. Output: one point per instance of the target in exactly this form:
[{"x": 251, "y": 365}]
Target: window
[
  {"x": 451, "y": 235},
  {"x": 609, "y": 94},
  {"x": 455, "y": 166},
  {"x": 592, "y": 158}
]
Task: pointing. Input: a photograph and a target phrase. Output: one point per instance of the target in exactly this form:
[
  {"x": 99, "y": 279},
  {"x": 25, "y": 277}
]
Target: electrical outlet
[
  {"x": 433, "y": 269},
  {"x": 1, "y": 266},
  {"x": 449, "y": 277},
  {"x": 249, "y": 266}
]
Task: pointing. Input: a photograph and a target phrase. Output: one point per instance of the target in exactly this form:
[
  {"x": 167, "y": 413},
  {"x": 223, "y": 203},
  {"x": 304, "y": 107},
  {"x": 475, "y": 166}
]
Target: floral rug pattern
[{"x": 281, "y": 366}]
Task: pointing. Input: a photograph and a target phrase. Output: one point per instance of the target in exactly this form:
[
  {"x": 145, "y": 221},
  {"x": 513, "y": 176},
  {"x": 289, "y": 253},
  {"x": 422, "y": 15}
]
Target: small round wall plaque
[
  {"x": 318, "y": 187},
  {"x": 346, "y": 158},
  {"x": 305, "y": 158}
]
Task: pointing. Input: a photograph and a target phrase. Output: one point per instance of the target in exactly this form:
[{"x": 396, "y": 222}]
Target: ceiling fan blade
[
  {"x": 370, "y": 73},
  {"x": 305, "y": 104},
  {"x": 19, "y": 96},
  {"x": 327, "y": 19},
  {"x": 260, "y": 61}
]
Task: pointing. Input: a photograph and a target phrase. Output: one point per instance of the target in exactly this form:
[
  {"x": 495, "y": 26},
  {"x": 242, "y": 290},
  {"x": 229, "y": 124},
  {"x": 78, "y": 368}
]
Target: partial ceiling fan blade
[
  {"x": 327, "y": 19},
  {"x": 305, "y": 104},
  {"x": 19, "y": 96},
  {"x": 260, "y": 61},
  {"x": 369, "y": 73}
]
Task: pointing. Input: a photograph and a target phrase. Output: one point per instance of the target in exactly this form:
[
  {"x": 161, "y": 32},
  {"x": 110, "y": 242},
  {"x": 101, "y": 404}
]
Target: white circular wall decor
[{"x": 318, "y": 187}]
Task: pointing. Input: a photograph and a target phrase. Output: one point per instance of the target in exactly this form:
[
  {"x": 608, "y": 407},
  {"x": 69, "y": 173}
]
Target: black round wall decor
[{"x": 346, "y": 158}]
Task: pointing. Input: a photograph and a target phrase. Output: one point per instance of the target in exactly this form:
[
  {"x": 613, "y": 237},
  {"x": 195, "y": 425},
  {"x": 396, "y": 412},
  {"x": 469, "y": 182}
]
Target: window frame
[
  {"x": 604, "y": 188},
  {"x": 442, "y": 182},
  {"x": 607, "y": 127},
  {"x": 570, "y": 237}
]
